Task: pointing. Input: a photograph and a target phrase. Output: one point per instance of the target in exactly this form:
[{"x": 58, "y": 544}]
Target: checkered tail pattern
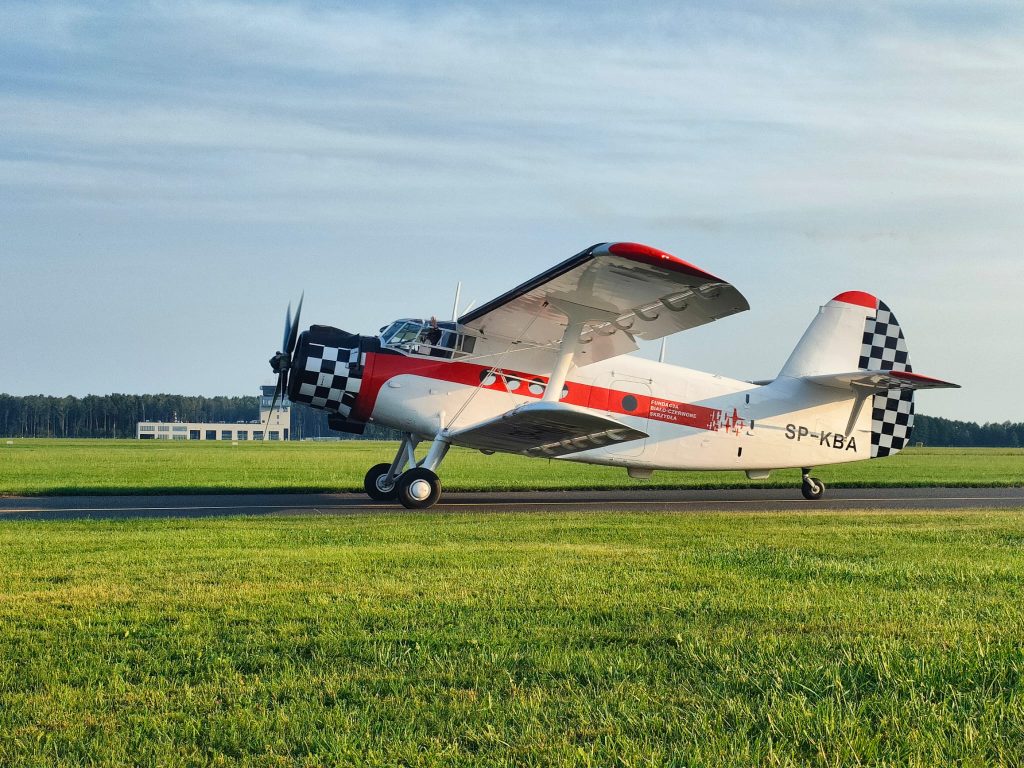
[{"x": 892, "y": 412}]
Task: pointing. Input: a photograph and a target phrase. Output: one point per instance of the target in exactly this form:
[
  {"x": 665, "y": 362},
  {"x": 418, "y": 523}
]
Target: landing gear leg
[
  {"x": 381, "y": 482},
  {"x": 420, "y": 487},
  {"x": 812, "y": 488}
]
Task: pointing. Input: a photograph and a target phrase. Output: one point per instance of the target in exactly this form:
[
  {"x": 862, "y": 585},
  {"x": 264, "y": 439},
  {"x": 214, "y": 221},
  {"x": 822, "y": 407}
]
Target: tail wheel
[
  {"x": 812, "y": 488},
  {"x": 419, "y": 488},
  {"x": 375, "y": 486}
]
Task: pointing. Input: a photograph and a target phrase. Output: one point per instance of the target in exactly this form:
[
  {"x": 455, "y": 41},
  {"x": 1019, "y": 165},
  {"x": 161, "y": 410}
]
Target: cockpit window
[
  {"x": 421, "y": 337},
  {"x": 401, "y": 333}
]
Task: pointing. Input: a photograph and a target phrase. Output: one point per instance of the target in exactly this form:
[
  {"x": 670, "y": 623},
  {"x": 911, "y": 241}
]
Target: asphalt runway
[{"x": 737, "y": 499}]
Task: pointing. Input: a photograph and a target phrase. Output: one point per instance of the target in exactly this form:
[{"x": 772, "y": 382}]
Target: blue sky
[{"x": 173, "y": 173}]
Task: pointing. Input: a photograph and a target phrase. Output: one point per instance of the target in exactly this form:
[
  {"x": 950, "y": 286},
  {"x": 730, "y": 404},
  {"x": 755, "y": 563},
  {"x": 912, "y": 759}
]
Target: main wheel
[
  {"x": 375, "y": 486},
  {"x": 418, "y": 488},
  {"x": 812, "y": 488}
]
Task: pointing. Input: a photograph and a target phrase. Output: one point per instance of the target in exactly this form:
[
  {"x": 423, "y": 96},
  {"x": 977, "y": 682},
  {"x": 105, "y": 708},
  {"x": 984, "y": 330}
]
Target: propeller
[{"x": 281, "y": 363}]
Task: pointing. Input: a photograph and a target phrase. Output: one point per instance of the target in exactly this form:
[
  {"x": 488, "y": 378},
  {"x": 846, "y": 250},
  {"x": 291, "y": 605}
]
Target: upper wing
[
  {"x": 879, "y": 381},
  {"x": 545, "y": 429},
  {"x": 626, "y": 290}
]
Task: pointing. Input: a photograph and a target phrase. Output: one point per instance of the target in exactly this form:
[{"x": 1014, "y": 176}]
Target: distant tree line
[
  {"x": 116, "y": 416},
  {"x": 938, "y": 432}
]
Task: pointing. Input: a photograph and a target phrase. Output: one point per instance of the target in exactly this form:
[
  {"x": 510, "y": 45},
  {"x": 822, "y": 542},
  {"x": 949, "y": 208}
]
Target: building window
[
  {"x": 193, "y": 434},
  {"x": 211, "y": 434},
  {"x": 275, "y": 435},
  {"x": 180, "y": 428},
  {"x": 225, "y": 434},
  {"x": 146, "y": 437},
  {"x": 177, "y": 437},
  {"x": 257, "y": 434},
  {"x": 146, "y": 427},
  {"x": 243, "y": 434},
  {"x": 163, "y": 428}
]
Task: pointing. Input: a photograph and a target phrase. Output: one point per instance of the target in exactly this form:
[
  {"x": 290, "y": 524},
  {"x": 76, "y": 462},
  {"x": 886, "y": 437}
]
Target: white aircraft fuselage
[{"x": 694, "y": 420}]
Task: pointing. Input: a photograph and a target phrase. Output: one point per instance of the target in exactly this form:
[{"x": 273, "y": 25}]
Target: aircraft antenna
[
  {"x": 661, "y": 356},
  {"x": 455, "y": 307}
]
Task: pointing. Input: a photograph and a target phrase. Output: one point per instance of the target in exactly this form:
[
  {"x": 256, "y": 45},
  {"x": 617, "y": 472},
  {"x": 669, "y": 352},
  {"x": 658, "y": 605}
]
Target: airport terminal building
[{"x": 271, "y": 426}]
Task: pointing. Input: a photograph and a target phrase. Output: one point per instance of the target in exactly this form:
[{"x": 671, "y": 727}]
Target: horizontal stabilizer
[
  {"x": 545, "y": 429},
  {"x": 879, "y": 381}
]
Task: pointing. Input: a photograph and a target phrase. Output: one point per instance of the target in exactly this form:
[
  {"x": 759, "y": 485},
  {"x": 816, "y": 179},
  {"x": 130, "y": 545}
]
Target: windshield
[{"x": 430, "y": 338}]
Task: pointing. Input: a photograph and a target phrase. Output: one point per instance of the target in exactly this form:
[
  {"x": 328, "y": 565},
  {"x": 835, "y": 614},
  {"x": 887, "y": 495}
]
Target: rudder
[{"x": 892, "y": 413}]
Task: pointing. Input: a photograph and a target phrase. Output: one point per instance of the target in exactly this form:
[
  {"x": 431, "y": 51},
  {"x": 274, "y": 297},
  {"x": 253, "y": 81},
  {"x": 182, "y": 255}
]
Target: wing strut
[
  {"x": 566, "y": 353},
  {"x": 577, "y": 315},
  {"x": 858, "y": 405}
]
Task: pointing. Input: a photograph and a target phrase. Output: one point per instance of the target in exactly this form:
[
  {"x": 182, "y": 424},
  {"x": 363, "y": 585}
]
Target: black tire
[
  {"x": 812, "y": 488},
  {"x": 412, "y": 492},
  {"x": 373, "y": 490}
]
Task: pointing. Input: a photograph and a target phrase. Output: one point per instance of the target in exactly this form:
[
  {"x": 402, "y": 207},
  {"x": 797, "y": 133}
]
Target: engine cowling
[{"x": 327, "y": 370}]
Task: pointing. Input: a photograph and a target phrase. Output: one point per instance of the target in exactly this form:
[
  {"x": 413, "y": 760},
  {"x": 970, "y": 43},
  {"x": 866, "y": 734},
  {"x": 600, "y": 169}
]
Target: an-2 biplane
[{"x": 544, "y": 371}]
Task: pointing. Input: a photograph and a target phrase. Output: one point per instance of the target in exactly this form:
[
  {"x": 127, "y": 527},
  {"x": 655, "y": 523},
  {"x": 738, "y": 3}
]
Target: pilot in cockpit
[{"x": 431, "y": 334}]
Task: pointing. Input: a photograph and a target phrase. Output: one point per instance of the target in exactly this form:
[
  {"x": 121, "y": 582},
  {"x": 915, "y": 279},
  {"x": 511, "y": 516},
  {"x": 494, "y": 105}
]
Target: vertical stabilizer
[{"x": 856, "y": 331}]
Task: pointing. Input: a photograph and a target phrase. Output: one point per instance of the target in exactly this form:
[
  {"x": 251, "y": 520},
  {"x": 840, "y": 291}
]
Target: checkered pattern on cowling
[
  {"x": 892, "y": 412},
  {"x": 331, "y": 378}
]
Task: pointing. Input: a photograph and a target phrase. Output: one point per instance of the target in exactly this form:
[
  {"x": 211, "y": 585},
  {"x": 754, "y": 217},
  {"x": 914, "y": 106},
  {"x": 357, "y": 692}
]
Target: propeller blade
[
  {"x": 277, "y": 392},
  {"x": 281, "y": 362},
  {"x": 273, "y": 404},
  {"x": 287, "y": 327},
  {"x": 294, "y": 335}
]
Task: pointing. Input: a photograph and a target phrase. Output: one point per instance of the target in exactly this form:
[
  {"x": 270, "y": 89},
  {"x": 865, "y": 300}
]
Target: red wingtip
[
  {"x": 648, "y": 255},
  {"x": 859, "y": 298}
]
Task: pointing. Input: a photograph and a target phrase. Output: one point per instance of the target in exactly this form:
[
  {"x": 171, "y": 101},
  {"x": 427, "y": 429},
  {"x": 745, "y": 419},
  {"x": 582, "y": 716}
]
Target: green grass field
[
  {"x": 544, "y": 639},
  {"x": 29, "y": 467}
]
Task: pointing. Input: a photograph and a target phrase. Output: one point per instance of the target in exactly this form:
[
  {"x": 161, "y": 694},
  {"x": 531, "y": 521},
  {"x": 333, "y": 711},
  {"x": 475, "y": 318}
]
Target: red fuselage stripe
[{"x": 381, "y": 367}]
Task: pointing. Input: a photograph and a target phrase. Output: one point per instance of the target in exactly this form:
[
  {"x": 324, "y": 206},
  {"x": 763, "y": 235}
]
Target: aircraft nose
[{"x": 327, "y": 369}]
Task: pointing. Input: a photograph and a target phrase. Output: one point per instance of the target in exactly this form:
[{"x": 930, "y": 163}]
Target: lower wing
[{"x": 545, "y": 429}]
